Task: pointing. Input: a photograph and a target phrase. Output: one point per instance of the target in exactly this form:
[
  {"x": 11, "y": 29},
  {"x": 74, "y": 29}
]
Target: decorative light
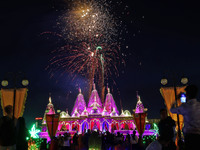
[
  {"x": 25, "y": 82},
  {"x": 155, "y": 127},
  {"x": 4, "y": 83},
  {"x": 164, "y": 81},
  {"x": 34, "y": 132},
  {"x": 184, "y": 80}
]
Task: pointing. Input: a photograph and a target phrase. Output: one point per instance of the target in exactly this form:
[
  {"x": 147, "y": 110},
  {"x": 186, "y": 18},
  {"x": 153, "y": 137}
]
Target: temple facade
[{"x": 94, "y": 115}]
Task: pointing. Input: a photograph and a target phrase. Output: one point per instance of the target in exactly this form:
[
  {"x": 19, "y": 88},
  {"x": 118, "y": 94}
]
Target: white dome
[
  {"x": 127, "y": 113},
  {"x": 64, "y": 114}
]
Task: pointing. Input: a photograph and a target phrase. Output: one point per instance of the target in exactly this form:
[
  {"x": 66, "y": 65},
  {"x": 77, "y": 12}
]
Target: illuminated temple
[{"x": 94, "y": 116}]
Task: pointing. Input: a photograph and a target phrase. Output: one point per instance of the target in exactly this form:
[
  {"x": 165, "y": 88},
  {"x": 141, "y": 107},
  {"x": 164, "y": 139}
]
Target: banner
[
  {"x": 52, "y": 121},
  {"x": 169, "y": 97},
  {"x": 140, "y": 123},
  {"x": 7, "y": 98}
]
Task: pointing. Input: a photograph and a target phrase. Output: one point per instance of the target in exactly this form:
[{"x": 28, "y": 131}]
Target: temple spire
[
  {"x": 108, "y": 90},
  {"x": 79, "y": 89},
  {"x": 50, "y": 101},
  {"x": 139, "y": 106}
]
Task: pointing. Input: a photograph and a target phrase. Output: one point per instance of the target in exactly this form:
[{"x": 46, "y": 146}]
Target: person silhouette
[
  {"x": 8, "y": 130},
  {"x": 22, "y": 133},
  {"x": 191, "y": 112}
]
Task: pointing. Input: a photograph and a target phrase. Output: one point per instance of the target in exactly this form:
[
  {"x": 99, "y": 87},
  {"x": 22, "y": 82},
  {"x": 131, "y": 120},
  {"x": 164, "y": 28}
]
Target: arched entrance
[
  {"x": 85, "y": 127},
  {"x": 105, "y": 126}
]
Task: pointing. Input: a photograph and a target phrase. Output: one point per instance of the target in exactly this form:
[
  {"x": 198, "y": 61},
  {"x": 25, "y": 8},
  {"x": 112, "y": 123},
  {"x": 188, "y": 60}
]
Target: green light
[
  {"x": 34, "y": 132},
  {"x": 27, "y": 138},
  {"x": 99, "y": 47},
  {"x": 155, "y": 127}
]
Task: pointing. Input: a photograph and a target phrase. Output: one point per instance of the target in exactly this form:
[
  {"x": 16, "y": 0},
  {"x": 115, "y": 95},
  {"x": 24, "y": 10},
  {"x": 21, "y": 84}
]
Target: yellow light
[
  {"x": 184, "y": 80},
  {"x": 4, "y": 83},
  {"x": 25, "y": 82},
  {"x": 164, "y": 81}
]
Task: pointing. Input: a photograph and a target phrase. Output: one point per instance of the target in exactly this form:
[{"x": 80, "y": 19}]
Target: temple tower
[
  {"x": 79, "y": 104},
  {"x": 49, "y": 110},
  {"x": 94, "y": 101},
  {"x": 110, "y": 103},
  {"x": 139, "y": 106}
]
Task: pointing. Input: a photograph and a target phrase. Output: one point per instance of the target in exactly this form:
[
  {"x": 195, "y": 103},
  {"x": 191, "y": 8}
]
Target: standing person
[
  {"x": 134, "y": 140},
  {"x": 60, "y": 141},
  {"x": 67, "y": 141},
  {"x": 166, "y": 128},
  {"x": 8, "y": 130},
  {"x": 22, "y": 133},
  {"x": 127, "y": 143},
  {"x": 75, "y": 141},
  {"x": 191, "y": 114}
]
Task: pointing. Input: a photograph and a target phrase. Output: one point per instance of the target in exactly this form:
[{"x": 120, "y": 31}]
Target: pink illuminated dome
[
  {"x": 85, "y": 112},
  {"x": 113, "y": 113},
  {"x": 105, "y": 112},
  {"x": 76, "y": 114}
]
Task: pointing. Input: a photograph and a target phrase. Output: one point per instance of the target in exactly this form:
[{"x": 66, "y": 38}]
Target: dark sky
[{"x": 166, "y": 42}]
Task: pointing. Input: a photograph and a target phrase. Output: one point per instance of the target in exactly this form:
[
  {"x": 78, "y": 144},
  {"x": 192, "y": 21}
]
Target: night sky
[{"x": 163, "y": 39}]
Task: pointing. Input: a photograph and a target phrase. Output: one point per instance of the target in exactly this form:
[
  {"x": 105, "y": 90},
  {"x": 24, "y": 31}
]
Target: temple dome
[
  {"x": 127, "y": 113},
  {"x": 64, "y": 114},
  {"x": 76, "y": 114},
  {"x": 113, "y": 113},
  {"x": 85, "y": 112},
  {"x": 105, "y": 112}
]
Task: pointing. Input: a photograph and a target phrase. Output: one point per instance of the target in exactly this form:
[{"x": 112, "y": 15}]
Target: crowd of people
[
  {"x": 13, "y": 132},
  {"x": 96, "y": 140}
]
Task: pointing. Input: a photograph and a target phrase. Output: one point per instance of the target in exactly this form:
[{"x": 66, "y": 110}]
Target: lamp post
[
  {"x": 15, "y": 76},
  {"x": 184, "y": 80}
]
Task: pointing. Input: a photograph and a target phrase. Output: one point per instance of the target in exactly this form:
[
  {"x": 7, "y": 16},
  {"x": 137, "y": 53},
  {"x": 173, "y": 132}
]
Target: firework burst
[
  {"x": 86, "y": 20},
  {"x": 92, "y": 37}
]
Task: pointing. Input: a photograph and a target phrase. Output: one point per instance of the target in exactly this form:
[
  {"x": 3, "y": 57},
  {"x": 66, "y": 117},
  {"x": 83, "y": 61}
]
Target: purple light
[
  {"x": 94, "y": 98},
  {"x": 139, "y": 106},
  {"x": 110, "y": 103},
  {"x": 79, "y": 103}
]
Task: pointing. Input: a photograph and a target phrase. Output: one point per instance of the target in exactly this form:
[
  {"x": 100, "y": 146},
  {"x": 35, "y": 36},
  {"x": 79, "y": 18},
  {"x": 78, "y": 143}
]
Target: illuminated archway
[
  {"x": 85, "y": 126},
  {"x": 114, "y": 126},
  {"x": 64, "y": 126},
  {"x": 95, "y": 124},
  {"x": 126, "y": 125},
  {"x": 105, "y": 126},
  {"x": 75, "y": 126}
]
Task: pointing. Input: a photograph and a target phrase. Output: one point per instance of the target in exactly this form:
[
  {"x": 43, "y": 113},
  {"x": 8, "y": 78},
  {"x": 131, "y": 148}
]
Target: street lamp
[
  {"x": 5, "y": 82},
  {"x": 184, "y": 80}
]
